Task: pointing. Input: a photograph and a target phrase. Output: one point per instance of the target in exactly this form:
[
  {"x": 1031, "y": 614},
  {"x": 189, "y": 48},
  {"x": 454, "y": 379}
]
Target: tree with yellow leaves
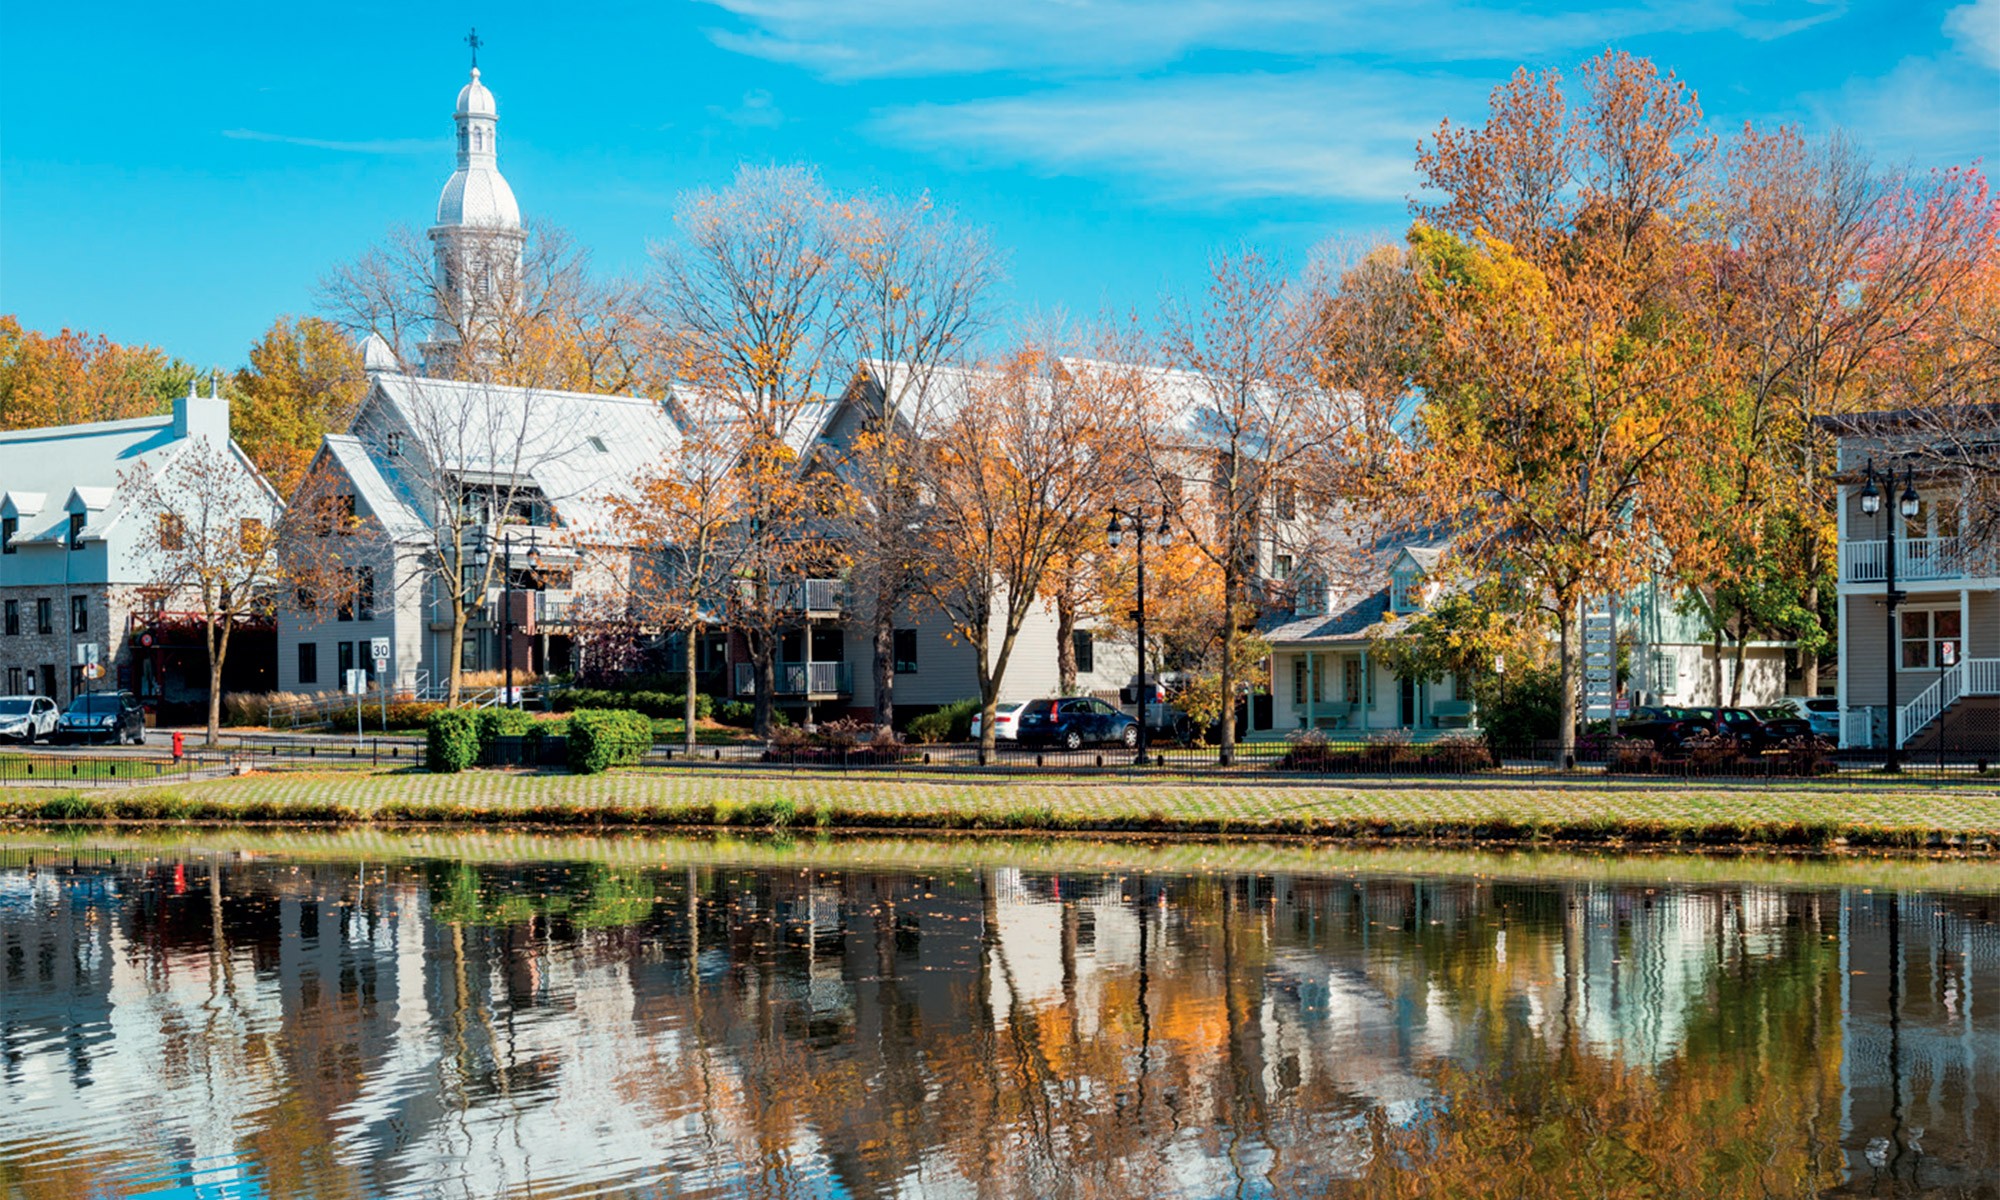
[{"x": 1563, "y": 373}]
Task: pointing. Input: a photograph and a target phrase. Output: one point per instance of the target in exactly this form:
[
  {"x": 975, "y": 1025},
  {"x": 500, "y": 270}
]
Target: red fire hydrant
[{"x": 177, "y": 745}]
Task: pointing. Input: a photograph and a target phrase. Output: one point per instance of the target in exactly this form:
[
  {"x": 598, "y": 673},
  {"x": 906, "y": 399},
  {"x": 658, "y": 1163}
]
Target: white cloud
[
  {"x": 1975, "y": 28},
  {"x": 1325, "y": 135},
  {"x": 756, "y": 110},
  {"x": 886, "y": 38},
  {"x": 1926, "y": 111},
  {"x": 372, "y": 146}
]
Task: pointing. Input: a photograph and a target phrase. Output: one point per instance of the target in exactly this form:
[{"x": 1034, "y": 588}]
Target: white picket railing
[
  {"x": 1967, "y": 677},
  {"x": 1918, "y": 560},
  {"x": 1858, "y": 728},
  {"x": 800, "y": 679}
]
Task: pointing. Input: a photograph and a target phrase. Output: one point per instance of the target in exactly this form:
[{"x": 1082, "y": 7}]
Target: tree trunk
[
  {"x": 763, "y": 658},
  {"x": 218, "y": 651},
  {"x": 1567, "y": 670},
  {"x": 885, "y": 661},
  {"x": 1742, "y": 632},
  {"x": 1809, "y": 656},
  {"x": 1227, "y": 755},
  {"x": 687, "y": 689},
  {"x": 1715, "y": 651},
  {"x": 455, "y": 653},
  {"x": 1066, "y": 643}
]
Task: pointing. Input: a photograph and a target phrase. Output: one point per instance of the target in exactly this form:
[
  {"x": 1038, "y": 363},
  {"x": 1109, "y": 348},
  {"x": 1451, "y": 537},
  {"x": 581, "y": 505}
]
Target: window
[
  {"x": 345, "y": 650},
  {"x": 1407, "y": 594},
  {"x": 9, "y": 526},
  {"x": 13, "y": 681},
  {"x": 49, "y": 679},
  {"x": 251, "y": 535},
  {"x": 1285, "y": 505},
  {"x": 1281, "y": 567},
  {"x": 76, "y": 531},
  {"x": 45, "y": 615},
  {"x": 79, "y": 614},
  {"x": 308, "y": 600},
  {"x": 1307, "y": 684},
  {"x": 597, "y": 444},
  {"x": 308, "y": 662},
  {"x": 906, "y": 651},
  {"x": 13, "y": 618},
  {"x": 173, "y": 532},
  {"x": 364, "y": 592},
  {"x": 1084, "y": 645},
  {"x": 395, "y": 444},
  {"x": 1931, "y": 638}
]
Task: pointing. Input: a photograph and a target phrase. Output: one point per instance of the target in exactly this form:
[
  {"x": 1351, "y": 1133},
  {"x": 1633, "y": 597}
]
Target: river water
[{"x": 382, "y": 1016}]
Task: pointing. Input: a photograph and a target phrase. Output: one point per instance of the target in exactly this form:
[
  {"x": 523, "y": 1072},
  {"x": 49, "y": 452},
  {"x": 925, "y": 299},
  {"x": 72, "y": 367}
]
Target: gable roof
[
  {"x": 582, "y": 449},
  {"x": 79, "y": 463}
]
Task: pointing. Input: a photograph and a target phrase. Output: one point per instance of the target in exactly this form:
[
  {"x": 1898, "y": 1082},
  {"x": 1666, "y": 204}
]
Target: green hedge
[
  {"x": 498, "y": 723},
  {"x": 451, "y": 740},
  {"x": 607, "y": 737},
  {"x": 672, "y": 705},
  {"x": 952, "y": 723}
]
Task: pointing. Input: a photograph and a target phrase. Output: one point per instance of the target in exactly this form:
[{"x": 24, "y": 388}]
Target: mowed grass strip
[{"x": 1783, "y": 812}]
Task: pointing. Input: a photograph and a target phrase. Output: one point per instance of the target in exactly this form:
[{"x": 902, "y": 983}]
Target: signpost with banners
[
  {"x": 356, "y": 683},
  {"x": 1600, "y": 662},
  {"x": 89, "y": 656},
  {"x": 378, "y": 649}
]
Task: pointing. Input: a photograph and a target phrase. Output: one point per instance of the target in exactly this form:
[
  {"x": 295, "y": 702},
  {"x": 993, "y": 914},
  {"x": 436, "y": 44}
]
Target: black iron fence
[
  {"x": 85, "y": 770},
  {"x": 1469, "y": 756}
]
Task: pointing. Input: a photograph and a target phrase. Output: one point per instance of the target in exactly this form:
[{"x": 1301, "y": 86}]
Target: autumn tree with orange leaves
[
  {"x": 1563, "y": 373},
  {"x": 1018, "y": 480},
  {"x": 73, "y": 377}
]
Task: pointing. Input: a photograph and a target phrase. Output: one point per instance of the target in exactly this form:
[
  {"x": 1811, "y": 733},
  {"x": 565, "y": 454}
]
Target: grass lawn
[{"x": 1795, "y": 812}]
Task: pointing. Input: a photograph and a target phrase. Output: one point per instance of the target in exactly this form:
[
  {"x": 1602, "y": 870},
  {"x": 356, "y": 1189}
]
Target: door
[{"x": 1406, "y": 703}]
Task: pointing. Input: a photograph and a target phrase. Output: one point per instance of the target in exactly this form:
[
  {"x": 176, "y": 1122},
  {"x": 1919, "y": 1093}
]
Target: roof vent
[{"x": 596, "y": 443}]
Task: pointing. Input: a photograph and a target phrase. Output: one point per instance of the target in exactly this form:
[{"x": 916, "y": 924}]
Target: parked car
[
  {"x": 103, "y": 717},
  {"x": 1073, "y": 723},
  {"x": 25, "y": 718},
  {"x": 1668, "y": 727},
  {"x": 1823, "y": 712},
  {"x": 1665, "y": 726},
  {"x": 1006, "y": 718}
]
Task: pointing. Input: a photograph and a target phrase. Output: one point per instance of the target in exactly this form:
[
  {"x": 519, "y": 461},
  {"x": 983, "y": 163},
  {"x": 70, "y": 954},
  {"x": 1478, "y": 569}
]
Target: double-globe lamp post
[
  {"x": 1907, "y": 505},
  {"x": 507, "y": 603},
  {"x": 1134, "y": 519}
]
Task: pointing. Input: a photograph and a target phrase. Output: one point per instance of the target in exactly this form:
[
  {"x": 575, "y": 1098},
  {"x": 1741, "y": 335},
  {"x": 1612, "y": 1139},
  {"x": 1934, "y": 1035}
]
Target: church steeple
[{"x": 477, "y": 239}]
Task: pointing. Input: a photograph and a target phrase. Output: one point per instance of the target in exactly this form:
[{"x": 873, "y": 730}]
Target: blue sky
[{"x": 179, "y": 175}]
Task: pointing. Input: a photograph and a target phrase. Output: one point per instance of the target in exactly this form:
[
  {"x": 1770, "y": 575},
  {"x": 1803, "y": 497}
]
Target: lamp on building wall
[
  {"x": 1875, "y": 485},
  {"x": 1135, "y": 520}
]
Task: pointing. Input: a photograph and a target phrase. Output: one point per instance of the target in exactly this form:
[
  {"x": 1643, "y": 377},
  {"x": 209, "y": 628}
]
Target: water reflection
[{"x": 203, "y": 1025}]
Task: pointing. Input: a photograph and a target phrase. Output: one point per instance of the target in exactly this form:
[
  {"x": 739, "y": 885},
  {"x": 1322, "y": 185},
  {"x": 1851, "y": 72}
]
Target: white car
[
  {"x": 27, "y": 718},
  {"x": 1006, "y": 719}
]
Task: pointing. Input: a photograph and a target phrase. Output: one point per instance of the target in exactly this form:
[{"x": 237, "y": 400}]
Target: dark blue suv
[{"x": 1073, "y": 723}]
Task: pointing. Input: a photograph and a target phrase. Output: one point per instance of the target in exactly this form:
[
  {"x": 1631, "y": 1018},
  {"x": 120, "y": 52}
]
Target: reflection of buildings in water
[
  {"x": 842, "y": 1025},
  {"x": 1920, "y": 1045}
]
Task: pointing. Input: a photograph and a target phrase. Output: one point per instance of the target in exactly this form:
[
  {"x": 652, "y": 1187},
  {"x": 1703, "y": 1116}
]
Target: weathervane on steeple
[{"x": 472, "y": 40}]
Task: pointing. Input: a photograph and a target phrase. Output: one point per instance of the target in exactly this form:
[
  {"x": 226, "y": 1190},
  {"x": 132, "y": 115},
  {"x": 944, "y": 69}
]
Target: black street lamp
[
  {"x": 507, "y": 604},
  {"x": 1123, "y": 519},
  {"x": 1871, "y": 504}
]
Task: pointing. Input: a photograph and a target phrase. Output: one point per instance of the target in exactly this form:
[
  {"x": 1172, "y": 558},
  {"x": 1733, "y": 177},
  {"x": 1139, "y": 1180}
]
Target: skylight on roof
[{"x": 596, "y": 443}]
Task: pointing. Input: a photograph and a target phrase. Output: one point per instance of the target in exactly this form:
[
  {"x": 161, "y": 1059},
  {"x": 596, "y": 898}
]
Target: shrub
[
  {"x": 668, "y": 705},
  {"x": 600, "y": 738},
  {"x": 1459, "y": 751},
  {"x": 403, "y": 714},
  {"x": 1520, "y": 708},
  {"x": 952, "y": 723},
  {"x": 496, "y": 723},
  {"x": 1311, "y": 750},
  {"x": 1632, "y": 755},
  {"x": 451, "y": 737},
  {"x": 739, "y": 713}
]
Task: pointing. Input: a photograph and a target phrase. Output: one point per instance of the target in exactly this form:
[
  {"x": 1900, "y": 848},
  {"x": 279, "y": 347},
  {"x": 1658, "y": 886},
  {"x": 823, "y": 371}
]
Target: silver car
[
  {"x": 27, "y": 719},
  {"x": 1824, "y": 714}
]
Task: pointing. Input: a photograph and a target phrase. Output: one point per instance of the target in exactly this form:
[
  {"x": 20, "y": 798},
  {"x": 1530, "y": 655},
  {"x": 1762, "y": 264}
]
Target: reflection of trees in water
[{"x": 802, "y": 1031}]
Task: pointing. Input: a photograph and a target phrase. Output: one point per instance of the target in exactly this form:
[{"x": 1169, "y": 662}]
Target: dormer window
[
  {"x": 1406, "y": 592},
  {"x": 76, "y": 521},
  {"x": 395, "y": 444},
  {"x": 9, "y": 526}
]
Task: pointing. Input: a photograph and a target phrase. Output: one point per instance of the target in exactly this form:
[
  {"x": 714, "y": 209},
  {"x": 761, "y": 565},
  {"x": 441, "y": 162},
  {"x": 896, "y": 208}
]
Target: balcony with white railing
[
  {"x": 819, "y": 679},
  {"x": 1918, "y": 560},
  {"x": 809, "y": 597},
  {"x": 1969, "y": 677}
]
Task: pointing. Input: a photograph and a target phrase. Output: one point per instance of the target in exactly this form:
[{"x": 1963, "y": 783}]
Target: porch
[{"x": 1347, "y": 691}]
